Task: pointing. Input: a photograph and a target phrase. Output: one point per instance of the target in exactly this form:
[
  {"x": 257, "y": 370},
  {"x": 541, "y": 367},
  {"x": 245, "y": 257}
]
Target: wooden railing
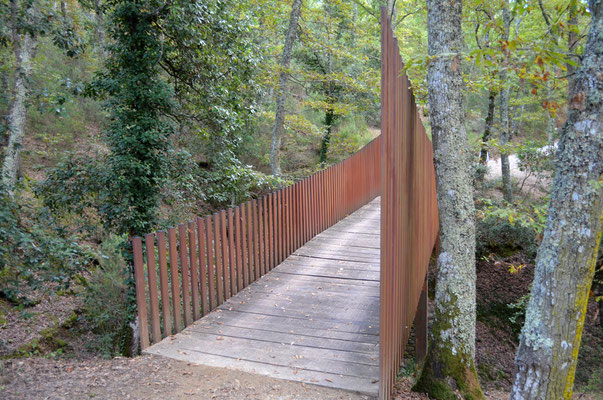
[
  {"x": 409, "y": 214},
  {"x": 194, "y": 267}
]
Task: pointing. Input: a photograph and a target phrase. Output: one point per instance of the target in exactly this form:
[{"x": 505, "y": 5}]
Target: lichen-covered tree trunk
[
  {"x": 281, "y": 93},
  {"x": 450, "y": 361},
  {"x": 550, "y": 340},
  {"x": 24, "y": 49},
  {"x": 504, "y": 112}
]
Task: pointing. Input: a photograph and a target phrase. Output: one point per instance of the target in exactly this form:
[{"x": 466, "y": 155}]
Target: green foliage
[
  {"x": 504, "y": 229},
  {"x": 108, "y": 302},
  {"x": 138, "y": 100},
  {"x": 536, "y": 157},
  {"x": 518, "y": 313},
  {"x": 35, "y": 251},
  {"x": 230, "y": 182},
  {"x": 76, "y": 191}
]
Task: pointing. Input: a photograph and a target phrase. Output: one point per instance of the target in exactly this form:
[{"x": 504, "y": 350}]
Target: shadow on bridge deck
[{"x": 314, "y": 318}]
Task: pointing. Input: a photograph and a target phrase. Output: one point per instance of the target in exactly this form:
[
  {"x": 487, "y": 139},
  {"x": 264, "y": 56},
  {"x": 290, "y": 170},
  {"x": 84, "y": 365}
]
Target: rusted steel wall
[
  {"x": 206, "y": 261},
  {"x": 409, "y": 217}
]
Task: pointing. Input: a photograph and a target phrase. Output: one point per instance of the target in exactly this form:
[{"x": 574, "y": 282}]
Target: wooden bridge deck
[{"x": 314, "y": 318}]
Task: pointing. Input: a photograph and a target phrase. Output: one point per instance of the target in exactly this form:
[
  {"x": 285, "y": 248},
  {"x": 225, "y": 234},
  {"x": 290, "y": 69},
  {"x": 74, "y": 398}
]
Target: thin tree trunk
[
  {"x": 488, "y": 127},
  {"x": 450, "y": 361},
  {"x": 550, "y": 121},
  {"x": 326, "y": 139},
  {"x": 24, "y": 45},
  {"x": 572, "y": 39},
  {"x": 99, "y": 29},
  {"x": 504, "y": 112},
  {"x": 281, "y": 94},
  {"x": 550, "y": 340}
]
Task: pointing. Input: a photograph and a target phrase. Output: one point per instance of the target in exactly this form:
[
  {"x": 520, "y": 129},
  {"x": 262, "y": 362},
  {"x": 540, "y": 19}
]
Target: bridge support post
[{"x": 421, "y": 326}]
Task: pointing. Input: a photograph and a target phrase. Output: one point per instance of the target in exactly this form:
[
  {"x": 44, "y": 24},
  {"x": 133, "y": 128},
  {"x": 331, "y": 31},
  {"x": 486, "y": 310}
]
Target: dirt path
[{"x": 147, "y": 377}]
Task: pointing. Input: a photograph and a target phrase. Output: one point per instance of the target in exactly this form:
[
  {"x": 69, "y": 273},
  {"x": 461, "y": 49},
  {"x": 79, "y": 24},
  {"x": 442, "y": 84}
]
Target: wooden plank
[
  {"x": 141, "y": 301},
  {"x": 186, "y": 300},
  {"x": 211, "y": 262},
  {"x": 292, "y": 338},
  {"x": 280, "y": 324},
  {"x": 339, "y": 381},
  {"x": 164, "y": 284},
  {"x": 332, "y": 361},
  {"x": 153, "y": 294},
  {"x": 176, "y": 304},
  {"x": 194, "y": 266},
  {"x": 202, "y": 265}
]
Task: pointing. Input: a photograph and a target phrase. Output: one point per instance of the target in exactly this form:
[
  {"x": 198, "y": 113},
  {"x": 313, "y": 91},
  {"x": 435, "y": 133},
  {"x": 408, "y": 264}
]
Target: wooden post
[{"x": 421, "y": 325}]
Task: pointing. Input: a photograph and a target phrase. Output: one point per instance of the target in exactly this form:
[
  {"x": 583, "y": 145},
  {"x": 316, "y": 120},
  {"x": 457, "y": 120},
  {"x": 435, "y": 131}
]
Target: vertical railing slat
[
  {"x": 244, "y": 248},
  {"x": 149, "y": 240},
  {"x": 186, "y": 301},
  {"x": 141, "y": 301},
  {"x": 232, "y": 253},
  {"x": 250, "y": 245},
  {"x": 211, "y": 261},
  {"x": 218, "y": 256},
  {"x": 194, "y": 266},
  {"x": 239, "y": 246},
  {"x": 164, "y": 284},
  {"x": 175, "y": 276},
  {"x": 202, "y": 265},
  {"x": 225, "y": 258}
]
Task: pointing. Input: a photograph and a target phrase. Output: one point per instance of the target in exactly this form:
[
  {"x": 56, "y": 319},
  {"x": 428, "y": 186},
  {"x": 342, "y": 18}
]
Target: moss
[{"x": 445, "y": 371}]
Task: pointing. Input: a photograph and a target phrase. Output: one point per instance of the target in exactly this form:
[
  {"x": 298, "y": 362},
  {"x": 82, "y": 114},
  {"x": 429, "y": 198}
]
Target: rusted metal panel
[{"x": 408, "y": 210}]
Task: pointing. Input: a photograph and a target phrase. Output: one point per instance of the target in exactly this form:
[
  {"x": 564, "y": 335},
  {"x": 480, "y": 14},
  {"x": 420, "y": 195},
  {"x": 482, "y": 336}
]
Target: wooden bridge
[{"x": 317, "y": 282}]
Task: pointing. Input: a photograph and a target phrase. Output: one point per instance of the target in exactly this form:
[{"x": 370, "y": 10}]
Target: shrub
[
  {"x": 504, "y": 229},
  {"x": 108, "y": 299},
  {"x": 35, "y": 251}
]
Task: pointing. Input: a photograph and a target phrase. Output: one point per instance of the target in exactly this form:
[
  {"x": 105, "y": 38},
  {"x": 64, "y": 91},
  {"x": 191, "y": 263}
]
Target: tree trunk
[
  {"x": 450, "y": 362},
  {"x": 488, "y": 128},
  {"x": 504, "y": 112},
  {"x": 572, "y": 39},
  {"x": 326, "y": 139},
  {"x": 550, "y": 340},
  {"x": 279, "y": 117},
  {"x": 99, "y": 29},
  {"x": 17, "y": 113}
]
